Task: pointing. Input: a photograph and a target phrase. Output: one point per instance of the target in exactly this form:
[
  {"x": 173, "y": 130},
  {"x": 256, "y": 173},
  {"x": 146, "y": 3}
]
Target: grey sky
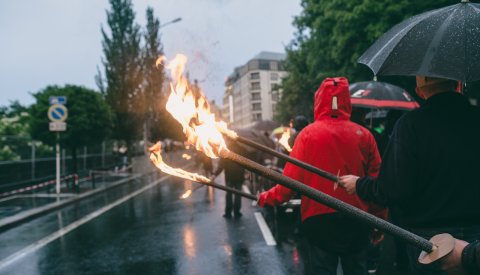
[{"x": 57, "y": 42}]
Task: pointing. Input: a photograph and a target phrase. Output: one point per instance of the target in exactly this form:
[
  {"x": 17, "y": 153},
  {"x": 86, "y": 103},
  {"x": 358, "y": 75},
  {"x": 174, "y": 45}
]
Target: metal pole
[
  {"x": 103, "y": 154},
  {"x": 84, "y": 157},
  {"x": 64, "y": 161},
  {"x": 57, "y": 149},
  {"x": 33, "y": 159},
  {"x": 277, "y": 154},
  {"x": 329, "y": 201},
  {"x": 229, "y": 189}
]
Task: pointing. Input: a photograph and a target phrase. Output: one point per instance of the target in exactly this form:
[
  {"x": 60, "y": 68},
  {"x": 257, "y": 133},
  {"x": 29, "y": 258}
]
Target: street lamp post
[
  {"x": 146, "y": 124},
  {"x": 178, "y": 19}
]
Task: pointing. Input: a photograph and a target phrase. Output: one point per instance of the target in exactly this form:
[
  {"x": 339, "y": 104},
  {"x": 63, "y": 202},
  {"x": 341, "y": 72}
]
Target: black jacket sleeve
[
  {"x": 471, "y": 258},
  {"x": 399, "y": 171}
]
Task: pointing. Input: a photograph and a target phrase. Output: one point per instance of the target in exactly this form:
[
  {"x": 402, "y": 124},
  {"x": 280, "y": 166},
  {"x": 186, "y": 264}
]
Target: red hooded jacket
[{"x": 334, "y": 144}]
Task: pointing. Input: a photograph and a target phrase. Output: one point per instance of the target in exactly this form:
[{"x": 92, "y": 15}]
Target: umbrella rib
[
  {"x": 439, "y": 34},
  {"x": 405, "y": 30},
  {"x": 466, "y": 73},
  {"x": 380, "y": 51}
]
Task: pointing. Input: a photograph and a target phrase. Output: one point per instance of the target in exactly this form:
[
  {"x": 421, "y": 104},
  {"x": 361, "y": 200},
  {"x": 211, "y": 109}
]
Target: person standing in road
[
  {"x": 234, "y": 177},
  {"x": 428, "y": 177},
  {"x": 337, "y": 145}
]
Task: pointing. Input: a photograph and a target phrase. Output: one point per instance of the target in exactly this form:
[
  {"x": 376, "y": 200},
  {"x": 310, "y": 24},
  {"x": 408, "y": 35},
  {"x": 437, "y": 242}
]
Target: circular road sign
[{"x": 57, "y": 112}]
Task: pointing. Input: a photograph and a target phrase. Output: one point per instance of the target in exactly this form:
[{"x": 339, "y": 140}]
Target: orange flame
[
  {"x": 186, "y": 194},
  {"x": 156, "y": 158},
  {"x": 284, "y": 140},
  {"x": 189, "y": 106}
]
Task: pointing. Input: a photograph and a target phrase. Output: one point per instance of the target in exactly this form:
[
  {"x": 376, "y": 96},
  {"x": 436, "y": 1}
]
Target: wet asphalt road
[
  {"x": 144, "y": 228},
  {"x": 154, "y": 232}
]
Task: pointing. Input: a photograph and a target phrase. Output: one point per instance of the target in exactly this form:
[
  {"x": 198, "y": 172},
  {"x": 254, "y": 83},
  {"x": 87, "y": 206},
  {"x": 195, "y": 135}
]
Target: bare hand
[
  {"x": 349, "y": 183},
  {"x": 452, "y": 263}
]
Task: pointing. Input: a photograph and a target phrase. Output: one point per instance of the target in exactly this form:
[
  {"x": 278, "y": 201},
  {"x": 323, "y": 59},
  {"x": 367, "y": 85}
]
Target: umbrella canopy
[
  {"x": 440, "y": 43},
  {"x": 265, "y": 125},
  {"x": 258, "y": 137},
  {"x": 381, "y": 95}
]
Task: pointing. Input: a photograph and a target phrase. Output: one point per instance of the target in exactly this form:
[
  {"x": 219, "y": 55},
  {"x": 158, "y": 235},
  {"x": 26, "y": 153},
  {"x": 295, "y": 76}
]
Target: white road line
[
  {"x": 65, "y": 230},
  {"x": 8, "y": 198},
  {"x": 267, "y": 234}
]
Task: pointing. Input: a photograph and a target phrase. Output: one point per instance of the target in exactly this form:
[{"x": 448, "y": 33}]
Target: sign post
[{"x": 57, "y": 113}]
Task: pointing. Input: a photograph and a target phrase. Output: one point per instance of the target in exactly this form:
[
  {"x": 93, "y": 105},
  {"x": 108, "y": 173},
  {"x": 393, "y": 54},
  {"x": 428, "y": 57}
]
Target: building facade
[{"x": 251, "y": 91}]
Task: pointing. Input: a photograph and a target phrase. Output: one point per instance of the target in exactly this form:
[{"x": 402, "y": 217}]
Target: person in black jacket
[
  {"x": 428, "y": 177},
  {"x": 234, "y": 177},
  {"x": 464, "y": 259}
]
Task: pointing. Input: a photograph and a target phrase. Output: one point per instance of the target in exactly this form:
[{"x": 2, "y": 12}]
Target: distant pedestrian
[
  {"x": 234, "y": 177},
  {"x": 206, "y": 162},
  {"x": 298, "y": 123}
]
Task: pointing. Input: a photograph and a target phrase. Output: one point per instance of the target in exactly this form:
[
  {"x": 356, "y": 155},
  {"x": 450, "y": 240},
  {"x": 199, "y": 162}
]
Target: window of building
[
  {"x": 274, "y": 66},
  {"x": 257, "y": 117},
  {"x": 256, "y": 106},
  {"x": 256, "y": 96},
  {"x": 255, "y": 75},
  {"x": 253, "y": 65},
  {"x": 274, "y": 76},
  {"x": 255, "y": 86},
  {"x": 264, "y": 65},
  {"x": 274, "y": 95}
]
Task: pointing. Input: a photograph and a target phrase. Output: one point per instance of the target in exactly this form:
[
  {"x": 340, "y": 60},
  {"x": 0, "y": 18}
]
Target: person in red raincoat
[{"x": 337, "y": 145}]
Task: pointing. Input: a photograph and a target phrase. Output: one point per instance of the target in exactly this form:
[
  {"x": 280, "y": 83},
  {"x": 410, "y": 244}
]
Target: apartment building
[{"x": 251, "y": 92}]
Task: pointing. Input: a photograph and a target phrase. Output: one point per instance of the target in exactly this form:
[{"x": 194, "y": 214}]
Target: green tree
[
  {"x": 158, "y": 122},
  {"x": 123, "y": 70},
  {"x": 153, "y": 95},
  {"x": 331, "y": 35},
  {"x": 89, "y": 118},
  {"x": 14, "y": 132}
]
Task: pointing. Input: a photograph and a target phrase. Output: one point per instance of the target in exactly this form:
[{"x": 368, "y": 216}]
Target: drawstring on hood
[{"x": 332, "y": 99}]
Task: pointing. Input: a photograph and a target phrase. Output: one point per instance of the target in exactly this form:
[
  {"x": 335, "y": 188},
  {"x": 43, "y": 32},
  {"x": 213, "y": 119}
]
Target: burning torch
[{"x": 192, "y": 111}]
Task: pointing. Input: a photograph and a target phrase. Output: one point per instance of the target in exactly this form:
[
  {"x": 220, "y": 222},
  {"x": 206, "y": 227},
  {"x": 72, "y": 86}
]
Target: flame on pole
[{"x": 191, "y": 109}]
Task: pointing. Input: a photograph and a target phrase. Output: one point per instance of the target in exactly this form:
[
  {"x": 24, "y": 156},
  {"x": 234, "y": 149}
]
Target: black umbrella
[
  {"x": 440, "y": 43},
  {"x": 381, "y": 95},
  {"x": 265, "y": 125},
  {"x": 255, "y": 136}
]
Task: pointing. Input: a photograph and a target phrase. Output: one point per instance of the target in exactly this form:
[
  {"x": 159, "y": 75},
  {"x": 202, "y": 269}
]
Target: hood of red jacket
[{"x": 332, "y": 99}]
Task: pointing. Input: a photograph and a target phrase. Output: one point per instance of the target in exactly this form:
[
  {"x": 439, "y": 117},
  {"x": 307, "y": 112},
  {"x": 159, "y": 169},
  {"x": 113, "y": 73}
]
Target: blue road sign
[
  {"x": 57, "y": 112},
  {"x": 57, "y": 100}
]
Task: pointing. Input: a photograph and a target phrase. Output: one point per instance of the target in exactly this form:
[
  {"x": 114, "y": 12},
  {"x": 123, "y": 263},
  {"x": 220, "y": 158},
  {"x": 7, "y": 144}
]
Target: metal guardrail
[
  {"x": 13, "y": 221},
  {"x": 39, "y": 185}
]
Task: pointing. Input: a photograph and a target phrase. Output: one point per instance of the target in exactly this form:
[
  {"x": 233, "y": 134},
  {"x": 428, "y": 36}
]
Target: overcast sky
[{"x": 46, "y": 42}]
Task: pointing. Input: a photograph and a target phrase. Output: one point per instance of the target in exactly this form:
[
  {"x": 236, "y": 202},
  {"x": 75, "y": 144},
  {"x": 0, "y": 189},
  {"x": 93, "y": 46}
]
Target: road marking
[
  {"x": 9, "y": 198},
  {"x": 65, "y": 230},
  {"x": 267, "y": 234}
]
